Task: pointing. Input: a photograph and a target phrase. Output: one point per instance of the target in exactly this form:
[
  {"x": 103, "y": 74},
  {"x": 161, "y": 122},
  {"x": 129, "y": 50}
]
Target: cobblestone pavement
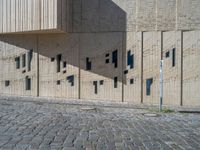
[{"x": 38, "y": 125}]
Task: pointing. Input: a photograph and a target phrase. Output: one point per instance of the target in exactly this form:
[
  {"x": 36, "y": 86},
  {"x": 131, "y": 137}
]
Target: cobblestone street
[{"x": 39, "y": 125}]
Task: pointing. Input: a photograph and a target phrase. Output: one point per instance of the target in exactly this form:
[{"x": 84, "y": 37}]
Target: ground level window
[
  {"x": 28, "y": 83},
  {"x": 148, "y": 86},
  {"x": 115, "y": 82},
  {"x": 173, "y": 57},
  {"x": 95, "y": 86}
]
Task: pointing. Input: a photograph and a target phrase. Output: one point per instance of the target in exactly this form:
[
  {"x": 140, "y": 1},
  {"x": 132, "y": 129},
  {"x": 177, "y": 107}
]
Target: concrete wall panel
[
  {"x": 151, "y": 64},
  {"x": 16, "y": 46},
  {"x": 188, "y": 16},
  {"x": 172, "y": 74},
  {"x": 191, "y": 70},
  {"x": 96, "y": 47},
  {"x": 132, "y": 91}
]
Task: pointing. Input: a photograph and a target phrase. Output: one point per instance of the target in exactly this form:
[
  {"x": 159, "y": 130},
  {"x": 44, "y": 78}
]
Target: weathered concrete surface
[{"x": 37, "y": 125}]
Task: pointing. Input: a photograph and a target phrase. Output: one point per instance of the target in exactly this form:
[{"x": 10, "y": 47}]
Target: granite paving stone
[{"x": 30, "y": 125}]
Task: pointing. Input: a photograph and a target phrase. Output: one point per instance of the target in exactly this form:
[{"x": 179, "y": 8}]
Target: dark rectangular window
[
  {"x": 107, "y": 55},
  {"x": 115, "y": 82},
  {"x": 173, "y": 57},
  {"x": 64, "y": 71},
  {"x": 7, "y": 83},
  {"x": 28, "y": 83},
  {"x": 148, "y": 86},
  {"x": 107, "y": 61},
  {"x": 101, "y": 82},
  {"x": 95, "y": 86},
  {"x": 131, "y": 81},
  {"x": 70, "y": 79},
  {"x": 52, "y": 59},
  {"x": 17, "y": 60},
  {"x": 58, "y": 59},
  {"x": 24, "y": 60},
  {"x": 115, "y": 58},
  {"x": 130, "y": 59},
  {"x": 24, "y": 71},
  {"x": 88, "y": 64},
  {"x": 126, "y": 72},
  {"x": 64, "y": 64},
  {"x": 167, "y": 54},
  {"x": 30, "y": 56},
  {"x": 58, "y": 82}
]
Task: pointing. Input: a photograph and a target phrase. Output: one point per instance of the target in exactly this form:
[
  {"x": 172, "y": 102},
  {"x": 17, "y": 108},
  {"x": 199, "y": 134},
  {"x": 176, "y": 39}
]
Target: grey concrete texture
[
  {"x": 98, "y": 15},
  {"x": 37, "y": 125}
]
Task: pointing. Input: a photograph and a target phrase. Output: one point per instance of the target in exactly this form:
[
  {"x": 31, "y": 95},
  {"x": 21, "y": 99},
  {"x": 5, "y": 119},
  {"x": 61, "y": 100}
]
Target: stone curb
[{"x": 94, "y": 103}]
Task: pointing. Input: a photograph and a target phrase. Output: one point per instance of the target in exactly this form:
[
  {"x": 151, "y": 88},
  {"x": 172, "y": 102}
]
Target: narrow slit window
[
  {"x": 115, "y": 82},
  {"x": 130, "y": 59},
  {"x": 115, "y": 58},
  {"x": 173, "y": 57},
  {"x": 95, "y": 87},
  {"x": 88, "y": 64},
  {"x": 24, "y": 60},
  {"x": 148, "y": 86},
  {"x": 58, "y": 59},
  {"x": 17, "y": 60},
  {"x": 28, "y": 83},
  {"x": 30, "y": 56}
]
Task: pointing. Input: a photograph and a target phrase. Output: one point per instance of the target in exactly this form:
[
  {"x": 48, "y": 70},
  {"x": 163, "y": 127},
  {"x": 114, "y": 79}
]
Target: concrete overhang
[{"x": 33, "y": 16}]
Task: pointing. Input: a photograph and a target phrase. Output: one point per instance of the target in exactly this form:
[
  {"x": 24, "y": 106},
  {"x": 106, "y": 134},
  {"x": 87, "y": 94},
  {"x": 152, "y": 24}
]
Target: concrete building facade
[{"x": 101, "y": 49}]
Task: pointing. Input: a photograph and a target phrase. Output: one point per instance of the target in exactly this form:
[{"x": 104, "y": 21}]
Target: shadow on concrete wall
[{"x": 96, "y": 28}]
